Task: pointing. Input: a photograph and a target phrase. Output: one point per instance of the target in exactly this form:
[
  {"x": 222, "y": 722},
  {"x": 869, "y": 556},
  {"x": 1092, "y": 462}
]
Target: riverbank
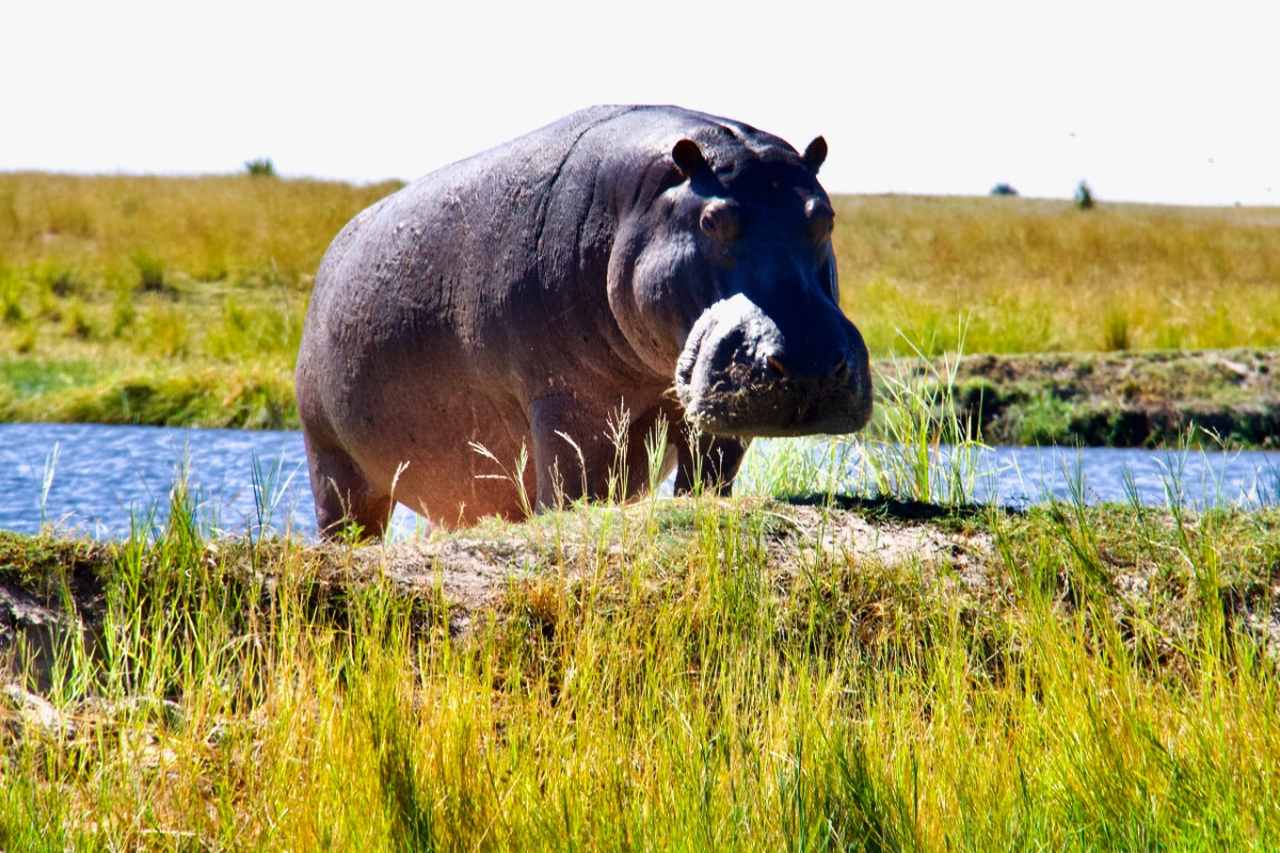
[
  {"x": 1130, "y": 399},
  {"x": 1133, "y": 399},
  {"x": 723, "y": 673}
]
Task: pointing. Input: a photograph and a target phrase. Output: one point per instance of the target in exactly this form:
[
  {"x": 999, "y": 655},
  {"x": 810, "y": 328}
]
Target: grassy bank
[
  {"x": 156, "y": 299},
  {"x": 252, "y": 396},
  {"x": 699, "y": 674},
  {"x": 180, "y": 300}
]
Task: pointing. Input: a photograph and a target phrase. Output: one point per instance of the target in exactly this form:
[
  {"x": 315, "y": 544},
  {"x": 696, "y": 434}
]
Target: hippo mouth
[
  {"x": 733, "y": 377},
  {"x": 745, "y": 403}
]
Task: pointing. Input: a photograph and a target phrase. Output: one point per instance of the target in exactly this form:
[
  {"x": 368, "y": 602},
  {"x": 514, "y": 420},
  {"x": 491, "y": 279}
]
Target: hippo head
[{"x": 735, "y": 282}]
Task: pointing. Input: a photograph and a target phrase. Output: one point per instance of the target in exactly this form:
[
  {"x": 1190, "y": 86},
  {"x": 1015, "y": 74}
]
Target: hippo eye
[
  {"x": 821, "y": 219},
  {"x": 719, "y": 220}
]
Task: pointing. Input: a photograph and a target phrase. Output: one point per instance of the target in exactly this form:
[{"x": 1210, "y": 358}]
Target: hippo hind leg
[{"x": 342, "y": 493}]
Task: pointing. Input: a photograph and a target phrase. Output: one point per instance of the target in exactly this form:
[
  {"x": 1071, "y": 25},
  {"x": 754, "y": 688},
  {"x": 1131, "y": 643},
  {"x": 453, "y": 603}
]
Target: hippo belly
[{"x": 387, "y": 425}]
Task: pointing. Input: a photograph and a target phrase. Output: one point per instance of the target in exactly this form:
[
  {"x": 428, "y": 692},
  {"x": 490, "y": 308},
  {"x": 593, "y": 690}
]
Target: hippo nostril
[{"x": 777, "y": 367}]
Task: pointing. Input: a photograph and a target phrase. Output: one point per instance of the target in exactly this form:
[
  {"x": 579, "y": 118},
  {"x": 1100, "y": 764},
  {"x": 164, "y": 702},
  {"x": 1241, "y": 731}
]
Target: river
[{"x": 103, "y": 481}]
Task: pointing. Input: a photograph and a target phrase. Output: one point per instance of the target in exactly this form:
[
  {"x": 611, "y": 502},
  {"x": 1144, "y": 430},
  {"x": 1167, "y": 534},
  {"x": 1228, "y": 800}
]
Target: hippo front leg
[
  {"x": 567, "y": 471},
  {"x": 591, "y": 464},
  {"x": 715, "y": 460}
]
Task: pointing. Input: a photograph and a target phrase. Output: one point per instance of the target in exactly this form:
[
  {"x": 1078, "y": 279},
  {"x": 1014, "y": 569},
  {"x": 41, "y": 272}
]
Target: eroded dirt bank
[
  {"x": 975, "y": 562},
  {"x": 48, "y": 585},
  {"x": 1123, "y": 399}
]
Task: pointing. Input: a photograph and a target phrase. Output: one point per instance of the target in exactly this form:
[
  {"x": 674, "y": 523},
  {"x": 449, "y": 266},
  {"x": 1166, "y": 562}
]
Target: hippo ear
[
  {"x": 689, "y": 159},
  {"x": 816, "y": 154}
]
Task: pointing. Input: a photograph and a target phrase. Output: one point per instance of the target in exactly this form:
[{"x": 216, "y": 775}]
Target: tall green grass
[
  {"x": 686, "y": 691},
  {"x": 917, "y": 449}
]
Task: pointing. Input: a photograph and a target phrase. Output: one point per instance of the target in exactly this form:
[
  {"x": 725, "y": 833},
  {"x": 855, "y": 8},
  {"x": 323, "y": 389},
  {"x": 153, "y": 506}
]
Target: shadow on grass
[{"x": 884, "y": 507}]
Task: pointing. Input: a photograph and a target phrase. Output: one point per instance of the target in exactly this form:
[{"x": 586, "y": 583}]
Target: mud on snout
[{"x": 740, "y": 373}]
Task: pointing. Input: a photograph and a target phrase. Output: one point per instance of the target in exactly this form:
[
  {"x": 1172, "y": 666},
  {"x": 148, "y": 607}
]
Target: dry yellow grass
[
  {"x": 1035, "y": 275},
  {"x": 130, "y": 272},
  {"x": 208, "y": 228}
]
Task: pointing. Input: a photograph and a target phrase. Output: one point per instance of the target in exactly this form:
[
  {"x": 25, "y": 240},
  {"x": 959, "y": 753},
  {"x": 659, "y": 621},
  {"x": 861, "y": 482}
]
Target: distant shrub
[
  {"x": 165, "y": 333},
  {"x": 50, "y": 308},
  {"x": 1172, "y": 335},
  {"x": 214, "y": 269},
  {"x": 1043, "y": 419},
  {"x": 1003, "y": 189},
  {"x": 26, "y": 342},
  {"x": 151, "y": 274},
  {"x": 246, "y": 332},
  {"x": 67, "y": 215},
  {"x": 260, "y": 168},
  {"x": 1084, "y": 196}
]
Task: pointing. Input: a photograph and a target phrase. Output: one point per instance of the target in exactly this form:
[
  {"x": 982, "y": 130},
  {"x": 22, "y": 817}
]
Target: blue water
[{"x": 104, "y": 481}]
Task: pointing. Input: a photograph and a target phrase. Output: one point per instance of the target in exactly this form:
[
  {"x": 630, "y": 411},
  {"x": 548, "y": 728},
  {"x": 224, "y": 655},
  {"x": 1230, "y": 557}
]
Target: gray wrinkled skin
[{"x": 525, "y": 294}]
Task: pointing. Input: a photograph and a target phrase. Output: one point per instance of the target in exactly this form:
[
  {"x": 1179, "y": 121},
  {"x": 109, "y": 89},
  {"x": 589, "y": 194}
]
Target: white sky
[{"x": 1162, "y": 102}]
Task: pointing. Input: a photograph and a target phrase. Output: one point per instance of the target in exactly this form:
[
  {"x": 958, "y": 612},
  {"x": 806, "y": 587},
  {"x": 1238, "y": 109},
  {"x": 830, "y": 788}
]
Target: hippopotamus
[{"x": 634, "y": 263}]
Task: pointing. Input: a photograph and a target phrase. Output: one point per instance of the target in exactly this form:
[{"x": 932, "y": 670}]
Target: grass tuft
[
  {"x": 151, "y": 272},
  {"x": 1115, "y": 330}
]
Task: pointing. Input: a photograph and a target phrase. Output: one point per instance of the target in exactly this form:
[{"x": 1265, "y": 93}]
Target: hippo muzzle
[{"x": 739, "y": 374}]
